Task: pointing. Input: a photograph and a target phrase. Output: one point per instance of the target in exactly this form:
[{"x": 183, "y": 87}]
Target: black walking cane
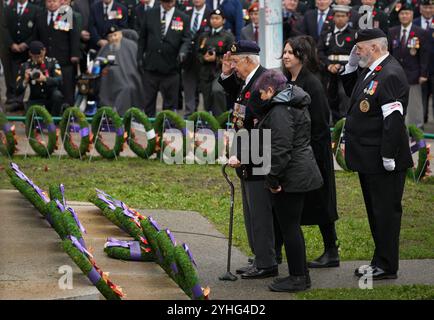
[{"x": 228, "y": 276}]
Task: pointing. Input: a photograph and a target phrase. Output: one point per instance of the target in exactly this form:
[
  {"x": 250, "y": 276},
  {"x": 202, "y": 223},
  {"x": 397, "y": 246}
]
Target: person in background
[
  {"x": 300, "y": 65},
  {"x": 409, "y": 44},
  {"x": 378, "y": 17},
  {"x": 140, "y": 9},
  {"x": 291, "y": 19},
  {"x": 293, "y": 171},
  {"x": 426, "y": 22},
  {"x": 233, "y": 13},
  {"x": 316, "y": 21},
  {"x": 251, "y": 31},
  {"x": 44, "y": 76}
]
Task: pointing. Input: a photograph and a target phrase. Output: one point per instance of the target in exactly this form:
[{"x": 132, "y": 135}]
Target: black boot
[
  {"x": 329, "y": 259},
  {"x": 290, "y": 284}
]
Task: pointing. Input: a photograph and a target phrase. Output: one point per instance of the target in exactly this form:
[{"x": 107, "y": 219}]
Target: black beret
[
  {"x": 245, "y": 47},
  {"x": 217, "y": 12},
  {"x": 112, "y": 29},
  {"x": 426, "y": 2},
  {"x": 369, "y": 34},
  {"x": 35, "y": 47},
  {"x": 403, "y": 5}
]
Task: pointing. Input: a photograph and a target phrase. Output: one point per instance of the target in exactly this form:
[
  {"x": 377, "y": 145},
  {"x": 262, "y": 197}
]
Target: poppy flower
[
  {"x": 119, "y": 10},
  {"x": 178, "y": 18},
  {"x": 348, "y": 39},
  {"x": 374, "y": 13},
  {"x": 412, "y": 34},
  {"x": 220, "y": 43},
  {"x": 378, "y": 68},
  {"x": 26, "y": 10},
  {"x": 247, "y": 95},
  {"x": 204, "y": 23},
  {"x": 330, "y": 18},
  {"x": 43, "y": 66}
]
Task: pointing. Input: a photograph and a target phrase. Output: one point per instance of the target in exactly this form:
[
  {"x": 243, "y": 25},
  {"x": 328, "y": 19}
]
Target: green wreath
[
  {"x": 224, "y": 119},
  {"x": 70, "y": 148},
  {"x": 422, "y": 164},
  {"x": 151, "y": 233},
  {"x": 187, "y": 275},
  {"x": 176, "y": 120},
  {"x": 8, "y": 142},
  {"x": 167, "y": 249},
  {"x": 100, "y": 146},
  {"x": 125, "y": 254},
  {"x": 212, "y": 123},
  {"x": 35, "y": 142},
  {"x": 336, "y": 145},
  {"x": 131, "y": 138}
]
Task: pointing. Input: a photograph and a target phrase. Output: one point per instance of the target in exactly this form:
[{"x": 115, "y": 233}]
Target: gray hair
[
  {"x": 381, "y": 43},
  {"x": 253, "y": 57}
]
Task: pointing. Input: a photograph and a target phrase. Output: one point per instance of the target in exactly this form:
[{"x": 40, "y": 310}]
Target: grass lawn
[{"x": 202, "y": 188}]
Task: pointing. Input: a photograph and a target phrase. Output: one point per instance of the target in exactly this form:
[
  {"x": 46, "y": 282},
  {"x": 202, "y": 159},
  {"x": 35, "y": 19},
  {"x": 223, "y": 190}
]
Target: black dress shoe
[
  {"x": 255, "y": 273},
  {"x": 244, "y": 269},
  {"x": 308, "y": 281},
  {"x": 290, "y": 284},
  {"x": 329, "y": 259},
  {"x": 360, "y": 271},
  {"x": 377, "y": 273}
]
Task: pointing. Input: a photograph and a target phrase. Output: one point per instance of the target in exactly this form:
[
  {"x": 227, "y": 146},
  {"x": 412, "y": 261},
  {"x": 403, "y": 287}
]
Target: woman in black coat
[
  {"x": 299, "y": 63},
  {"x": 293, "y": 171}
]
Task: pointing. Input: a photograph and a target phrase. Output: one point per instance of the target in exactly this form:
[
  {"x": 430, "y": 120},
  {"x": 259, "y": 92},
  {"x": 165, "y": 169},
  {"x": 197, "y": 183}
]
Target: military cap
[
  {"x": 217, "y": 12},
  {"x": 254, "y": 7},
  {"x": 35, "y": 47},
  {"x": 114, "y": 28},
  {"x": 403, "y": 5},
  {"x": 426, "y": 2},
  {"x": 369, "y": 34},
  {"x": 341, "y": 8},
  {"x": 245, "y": 47}
]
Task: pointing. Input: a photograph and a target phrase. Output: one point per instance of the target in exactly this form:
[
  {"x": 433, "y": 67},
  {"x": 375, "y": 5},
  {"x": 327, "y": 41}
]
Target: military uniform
[
  {"x": 334, "y": 48},
  {"x": 62, "y": 42},
  {"x": 219, "y": 42},
  {"x": 46, "y": 93},
  {"x": 18, "y": 29},
  {"x": 375, "y": 133},
  {"x": 131, "y": 14}
]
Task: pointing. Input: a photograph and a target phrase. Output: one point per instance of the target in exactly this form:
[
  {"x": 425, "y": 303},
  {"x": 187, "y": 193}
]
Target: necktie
[
  {"x": 105, "y": 11},
  {"x": 51, "y": 19},
  {"x": 320, "y": 22},
  {"x": 256, "y": 33},
  {"x": 163, "y": 24},
  {"x": 20, "y": 9},
  {"x": 403, "y": 38},
  {"x": 427, "y": 24},
  {"x": 195, "y": 23}
]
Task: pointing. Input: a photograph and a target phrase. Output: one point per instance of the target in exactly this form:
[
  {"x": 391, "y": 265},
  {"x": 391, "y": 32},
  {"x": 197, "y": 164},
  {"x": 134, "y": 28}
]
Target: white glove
[
  {"x": 389, "y": 164},
  {"x": 354, "y": 59}
]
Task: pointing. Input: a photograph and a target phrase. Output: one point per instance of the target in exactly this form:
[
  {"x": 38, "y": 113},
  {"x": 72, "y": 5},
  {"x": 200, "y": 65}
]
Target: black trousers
[
  {"x": 167, "y": 84},
  {"x": 68, "y": 83},
  {"x": 427, "y": 90},
  {"x": 53, "y": 102},
  {"x": 288, "y": 208},
  {"x": 383, "y": 194},
  {"x": 258, "y": 219},
  {"x": 11, "y": 66}
]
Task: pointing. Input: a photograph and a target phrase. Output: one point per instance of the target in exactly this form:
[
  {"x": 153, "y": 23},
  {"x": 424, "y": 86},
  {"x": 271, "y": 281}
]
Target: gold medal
[
  {"x": 240, "y": 123},
  {"x": 364, "y": 106},
  {"x": 413, "y": 51}
]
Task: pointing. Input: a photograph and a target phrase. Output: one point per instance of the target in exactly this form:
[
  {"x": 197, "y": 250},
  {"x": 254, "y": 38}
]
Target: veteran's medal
[
  {"x": 413, "y": 51},
  {"x": 30, "y": 24},
  {"x": 364, "y": 106}
]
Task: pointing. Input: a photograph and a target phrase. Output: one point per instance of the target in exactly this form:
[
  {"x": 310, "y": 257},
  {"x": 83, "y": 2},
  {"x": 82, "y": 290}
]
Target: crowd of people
[{"x": 181, "y": 43}]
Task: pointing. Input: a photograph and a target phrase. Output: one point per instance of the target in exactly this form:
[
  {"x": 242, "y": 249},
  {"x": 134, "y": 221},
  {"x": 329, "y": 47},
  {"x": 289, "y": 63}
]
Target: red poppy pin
[
  {"x": 178, "y": 18},
  {"x": 220, "y": 43},
  {"x": 119, "y": 10},
  {"x": 330, "y": 18},
  {"x": 26, "y": 10},
  {"x": 247, "y": 95},
  {"x": 378, "y": 68},
  {"x": 412, "y": 34},
  {"x": 348, "y": 39},
  {"x": 374, "y": 13},
  {"x": 43, "y": 66},
  {"x": 203, "y": 24},
  {"x": 58, "y": 17}
]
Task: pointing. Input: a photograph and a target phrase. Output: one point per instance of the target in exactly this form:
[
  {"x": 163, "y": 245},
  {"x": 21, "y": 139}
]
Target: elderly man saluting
[
  {"x": 376, "y": 143},
  {"x": 240, "y": 70}
]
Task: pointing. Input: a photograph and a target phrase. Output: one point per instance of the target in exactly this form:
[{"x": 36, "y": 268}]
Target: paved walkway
[{"x": 147, "y": 280}]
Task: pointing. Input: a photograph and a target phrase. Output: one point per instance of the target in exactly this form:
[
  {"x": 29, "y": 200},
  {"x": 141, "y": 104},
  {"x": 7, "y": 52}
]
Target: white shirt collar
[
  {"x": 408, "y": 28},
  {"x": 24, "y": 5},
  {"x": 169, "y": 16},
  {"x": 168, "y": 13},
  {"x": 424, "y": 21},
  {"x": 201, "y": 11},
  {"x": 217, "y": 30},
  {"x": 109, "y": 6},
  {"x": 250, "y": 76},
  {"x": 377, "y": 63},
  {"x": 342, "y": 29},
  {"x": 326, "y": 12}
]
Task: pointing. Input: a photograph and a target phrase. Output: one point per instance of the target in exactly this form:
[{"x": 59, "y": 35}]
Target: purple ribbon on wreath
[
  {"x": 174, "y": 267},
  {"x": 108, "y": 202},
  {"x": 7, "y": 127},
  {"x": 94, "y": 276},
  {"x": 51, "y": 127},
  {"x": 62, "y": 191},
  {"x": 74, "y": 127},
  {"x": 134, "y": 246},
  {"x": 77, "y": 221},
  {"x": 39, "y": 192},
  {"x": 187, "y": 250},
  {"x": 197, "y": 291},
  {"x": 15, "y": 167},
  {"x": 418, "y": 145},
  {"x": 79, "y": 245},
  {"x": 171, "y": 237},
  {"x": 120, "y": 131},
  {"x": 154, "y": 223},
  {"x": 84, "y": 132},
  {"x": 60, "y": 205}
]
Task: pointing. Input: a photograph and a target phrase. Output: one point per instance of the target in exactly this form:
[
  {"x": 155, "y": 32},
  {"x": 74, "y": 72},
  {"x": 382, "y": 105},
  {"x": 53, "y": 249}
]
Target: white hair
[
  {"x": 252, "y": 57},
  {"x": 381, "y": 43}
]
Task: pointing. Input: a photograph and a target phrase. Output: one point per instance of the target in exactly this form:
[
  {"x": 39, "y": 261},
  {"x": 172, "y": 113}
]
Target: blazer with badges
[
  {"x": 430, "y": 36},
  {"x": 335, "y": 48},
  {"x": 19, "y": 28},
  {"x": 99, "y": 24},
  {"x": 375, "y": 125},
  {"x": 160, "y": 54},
  {"x": 60, "y": 40},
  {"x": 414, "y": 57}
]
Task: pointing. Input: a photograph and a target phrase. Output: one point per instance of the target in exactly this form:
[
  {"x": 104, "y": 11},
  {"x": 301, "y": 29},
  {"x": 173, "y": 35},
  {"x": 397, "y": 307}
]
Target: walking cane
[{"x": 228, "y": 276}]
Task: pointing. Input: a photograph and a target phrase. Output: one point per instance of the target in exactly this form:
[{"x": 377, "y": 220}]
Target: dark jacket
[
  {"x": 414, "y": 61},
  {"x": 320, "y": 204},
  {"x": 309, "y": 24},
  {"x": 139, "y": 12},
  {"x": 430, "y": 31},
  {"x": 368, "y": 136},
  {"x": 160, "y": 54},
  {"x": 293, "y": 166},
  {"x": 379, "y": 19},
  {"x": 233, "y": 12}
]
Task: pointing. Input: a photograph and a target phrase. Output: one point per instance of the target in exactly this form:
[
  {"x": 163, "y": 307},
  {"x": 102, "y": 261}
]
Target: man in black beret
[
  {"x": 240, "y": 69},
  {"x": 409, "y": 44},
  {"x": 44, "y": 76},
  {"x": 376, "y": 143}
]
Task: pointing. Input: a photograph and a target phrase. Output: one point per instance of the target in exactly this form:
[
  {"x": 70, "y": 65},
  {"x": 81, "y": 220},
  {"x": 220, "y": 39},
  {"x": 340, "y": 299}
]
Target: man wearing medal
[
  {"x": 376, "y": 143},
  {"x": 409, "y": 44}
]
